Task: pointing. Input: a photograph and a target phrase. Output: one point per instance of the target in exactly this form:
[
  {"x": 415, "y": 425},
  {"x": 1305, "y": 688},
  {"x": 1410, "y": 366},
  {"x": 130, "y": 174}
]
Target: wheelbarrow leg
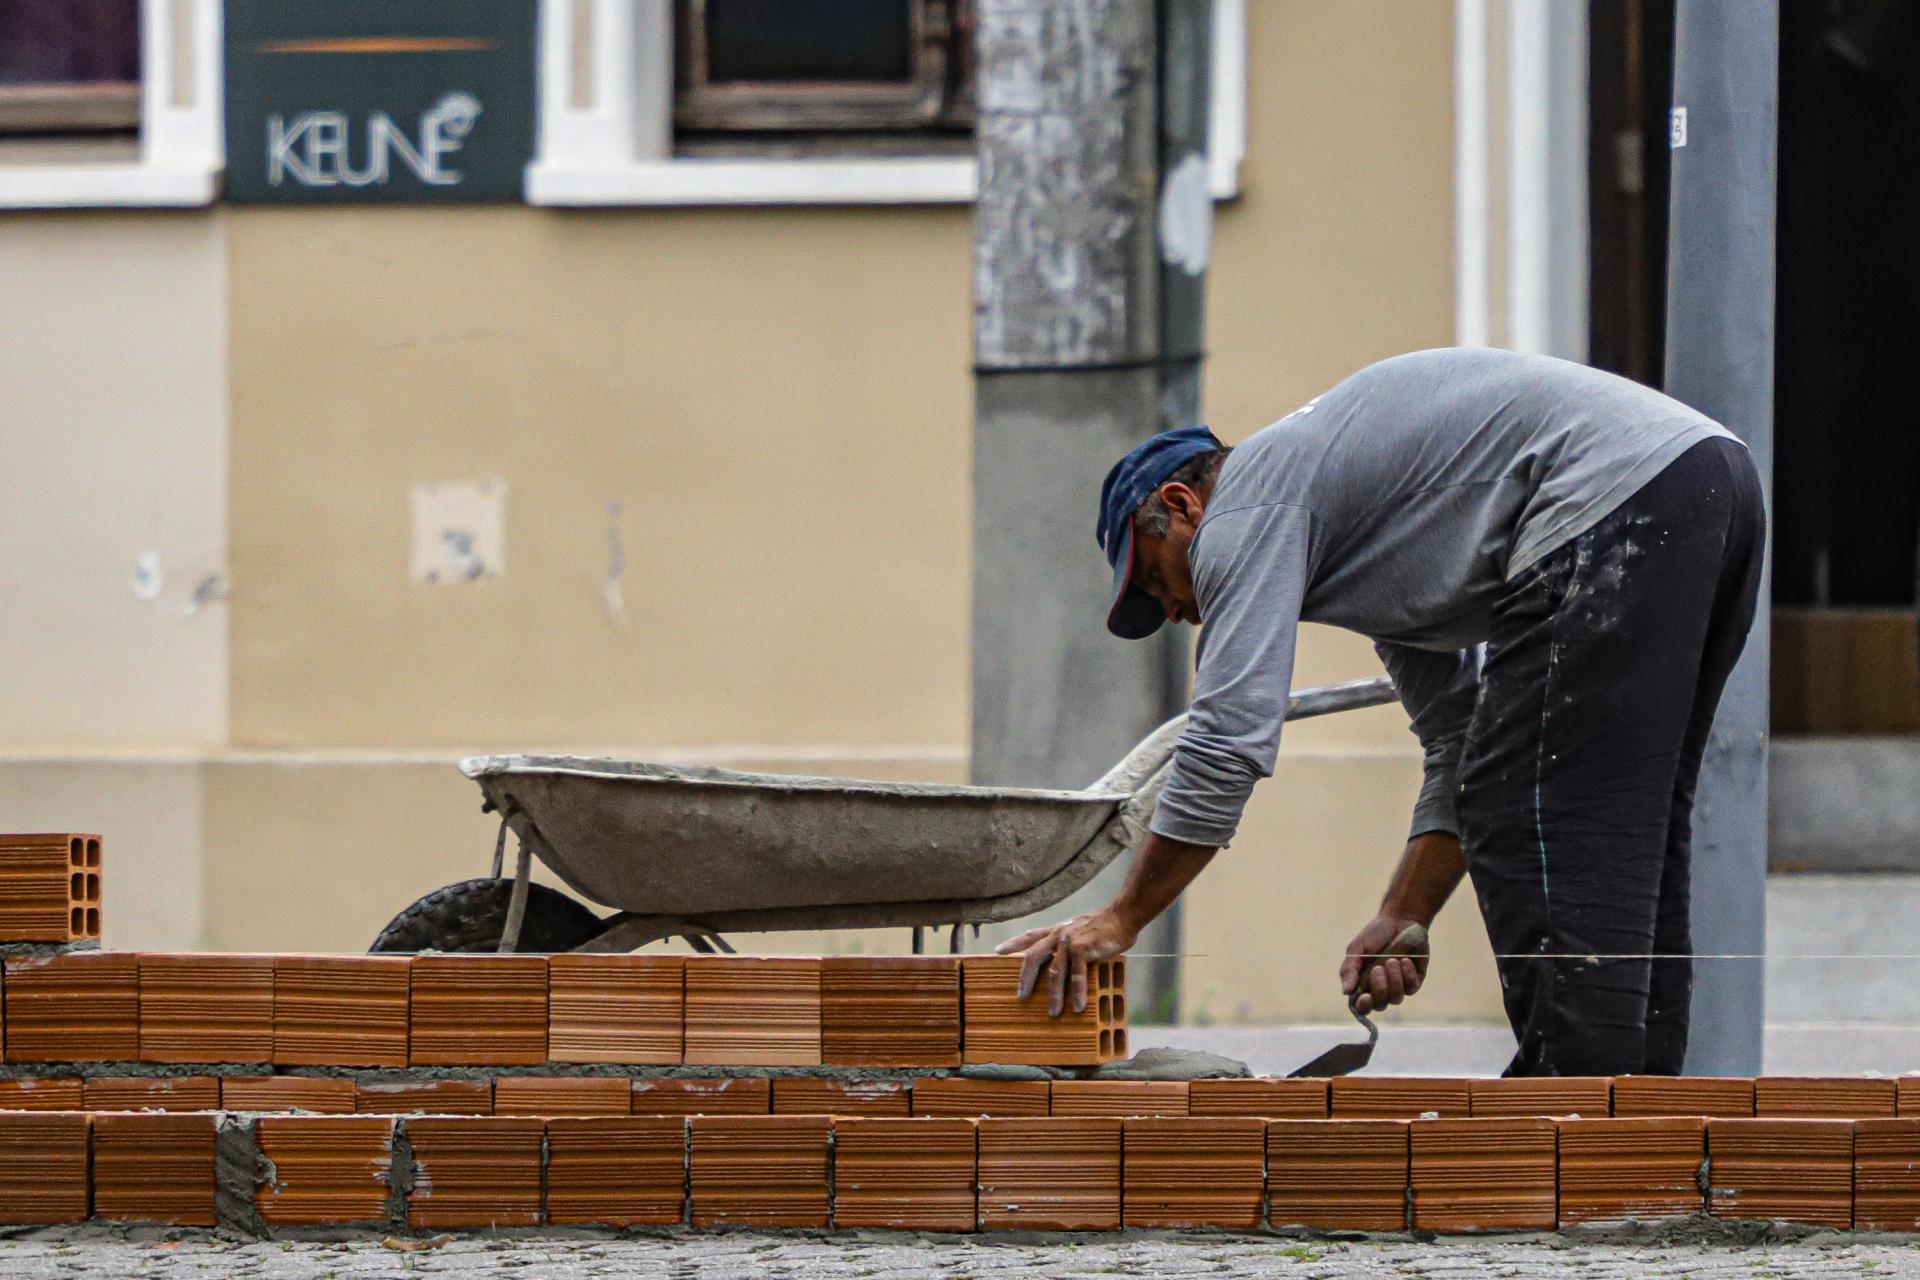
[{"x": 517, "y": 903}]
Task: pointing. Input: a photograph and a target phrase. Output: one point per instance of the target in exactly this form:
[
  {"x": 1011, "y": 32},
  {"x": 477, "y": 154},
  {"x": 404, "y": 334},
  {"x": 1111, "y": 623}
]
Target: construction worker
[{"x": 1558, "y": 568}]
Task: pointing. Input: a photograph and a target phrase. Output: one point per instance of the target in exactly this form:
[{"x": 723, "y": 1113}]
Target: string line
[{"x": 1610, "y": 955}]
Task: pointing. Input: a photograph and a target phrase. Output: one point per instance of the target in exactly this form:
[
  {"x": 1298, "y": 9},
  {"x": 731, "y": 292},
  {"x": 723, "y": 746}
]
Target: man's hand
[
  {"x": 1384, "y": 966},
  {"x": 1065, "y": 950}
]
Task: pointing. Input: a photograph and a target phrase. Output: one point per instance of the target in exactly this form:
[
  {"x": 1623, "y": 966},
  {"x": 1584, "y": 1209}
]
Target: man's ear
[{"x": 1183, "y": 502}]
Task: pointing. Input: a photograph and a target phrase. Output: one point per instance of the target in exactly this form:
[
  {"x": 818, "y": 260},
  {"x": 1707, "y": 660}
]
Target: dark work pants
[{"x": 1602, "y": 671}]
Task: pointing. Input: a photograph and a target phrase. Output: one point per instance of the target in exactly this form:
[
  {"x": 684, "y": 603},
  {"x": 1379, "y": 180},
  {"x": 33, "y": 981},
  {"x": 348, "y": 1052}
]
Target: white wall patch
[{"x": 459, "y": 532}]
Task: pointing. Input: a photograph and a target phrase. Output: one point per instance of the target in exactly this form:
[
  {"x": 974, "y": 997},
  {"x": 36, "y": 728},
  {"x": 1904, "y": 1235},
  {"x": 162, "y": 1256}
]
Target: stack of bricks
[
  {"x": 441, "y": 1092},
  {"x": 939, "y": 1152}
]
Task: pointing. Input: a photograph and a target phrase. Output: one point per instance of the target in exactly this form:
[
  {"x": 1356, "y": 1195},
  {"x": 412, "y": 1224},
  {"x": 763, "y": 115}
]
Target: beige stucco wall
[
  {"x": 778, "y": 399},
  {"x": 1339, "y": 253},
  {"x": 113, "y": 414}
]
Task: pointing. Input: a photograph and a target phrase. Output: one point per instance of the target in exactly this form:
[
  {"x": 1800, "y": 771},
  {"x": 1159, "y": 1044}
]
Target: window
[
  {"x": 757, "y": 102},
  {"x": 892, "y": 70},
  {"x": 69, "y": 66}
]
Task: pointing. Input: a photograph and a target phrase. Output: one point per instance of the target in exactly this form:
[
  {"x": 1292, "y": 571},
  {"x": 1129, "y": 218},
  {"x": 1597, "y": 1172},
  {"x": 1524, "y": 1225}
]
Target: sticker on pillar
[
  {"x": 459, "y": 532},
  {"x": 1186, "y": 216},
  {"x": 1677, "y": 128}
]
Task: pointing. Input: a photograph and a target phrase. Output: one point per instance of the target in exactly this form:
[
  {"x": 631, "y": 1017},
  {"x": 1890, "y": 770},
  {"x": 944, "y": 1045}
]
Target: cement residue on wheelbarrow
[{"x": 697, "y": 852}]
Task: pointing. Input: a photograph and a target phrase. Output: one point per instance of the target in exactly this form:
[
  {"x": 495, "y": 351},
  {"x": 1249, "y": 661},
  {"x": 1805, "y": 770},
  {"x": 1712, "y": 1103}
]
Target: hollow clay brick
[
  {"x": 730, "y": 1096},
  {"x": 42, "y": 1093},
  {"x": 424, "y": 1097},
  {"x": 1907, "y": 1095},
  {"x": 1824, "y": 1097},
  {"x": 1781, "y": 1170},
  {"x": 74, "y": 1007},
  {"x": 1057, "y": 1174},
  {"x": 817, "y": 1096},
  {"x": 1274, "y": 1099},
  {"x": 890, "y": 1011},
  {"x": 1715, "y": 1097},
  {"x": 475, "y": 1171},
  {"x": 322, "y": 1095},
  {"x": 1121, "y": 1098},
  {"x": 49, "y": 888},
  {"x": 616, "y": 1008},
  {"x": 153, "y": 1167},
  {"x": 43, "y": 1167},
  {"x": 997, "y": 1026},
  {"x": 616, "y": 1171},
  {"x": 1194, "y": 1172},
  {"x": 758, "y": 1171},
  {"x": 348, "y": 1011},
  {"x": 324, "y": 1170},
  {"x": 1399, "y": 1098},
  {"x": 958, "y": 1096},
  {"x": 206, "y": 1008},
  {"x": 1584, "y": 1096},
  {"x": 153, "y": 1093},
  {"x": 1638, "y": 1169},
  {"x": 561, "y": 1096},
  {"x": 479, "y": 1010},
  {"x": 1490, "y": 1174},
  {"x": 1886, "y": 1175},
  {"x": 1338, "y": 1175},
  {"x": 904, "y": 1175},
  {"x": 753, "y": 1011}
]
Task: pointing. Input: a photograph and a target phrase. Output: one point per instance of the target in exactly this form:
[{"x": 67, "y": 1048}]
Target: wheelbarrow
[{"x": 697, "y": 853}]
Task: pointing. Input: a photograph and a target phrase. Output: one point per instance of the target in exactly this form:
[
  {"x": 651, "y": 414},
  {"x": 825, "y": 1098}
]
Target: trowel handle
[{"x": 1412, "y": 936}]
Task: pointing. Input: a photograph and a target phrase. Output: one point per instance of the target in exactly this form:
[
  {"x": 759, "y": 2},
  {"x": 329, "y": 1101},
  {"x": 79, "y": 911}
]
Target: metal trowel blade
[{"x": 1342, "y": 1059}]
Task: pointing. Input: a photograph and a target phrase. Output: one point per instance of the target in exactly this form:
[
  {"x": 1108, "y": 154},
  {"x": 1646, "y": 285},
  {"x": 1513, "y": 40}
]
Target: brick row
[
  {"x": 400, "y": 1092},
  {"x": 1070, "y": 1173},
  {"x": 390, "y": 1011}
]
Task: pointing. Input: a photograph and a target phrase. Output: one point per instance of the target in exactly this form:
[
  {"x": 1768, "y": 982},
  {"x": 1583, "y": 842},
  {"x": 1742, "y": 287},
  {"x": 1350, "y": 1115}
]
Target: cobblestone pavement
[{"x": 199, "y": 1255}]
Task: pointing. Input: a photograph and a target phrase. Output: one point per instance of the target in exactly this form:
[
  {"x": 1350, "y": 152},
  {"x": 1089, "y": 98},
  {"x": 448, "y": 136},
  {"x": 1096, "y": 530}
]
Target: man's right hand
[{"x": 1386, "y": 962}]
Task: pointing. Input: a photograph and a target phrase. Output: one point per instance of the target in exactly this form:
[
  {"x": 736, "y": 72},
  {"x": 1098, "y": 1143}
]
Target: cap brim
[{"x": 1132, "y": 614}]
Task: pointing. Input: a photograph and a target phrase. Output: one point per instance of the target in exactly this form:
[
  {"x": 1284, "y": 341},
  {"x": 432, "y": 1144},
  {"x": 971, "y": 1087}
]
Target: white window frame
[
  {"x": 605, "y": 97},
  {"x": 180, "y": 125}
]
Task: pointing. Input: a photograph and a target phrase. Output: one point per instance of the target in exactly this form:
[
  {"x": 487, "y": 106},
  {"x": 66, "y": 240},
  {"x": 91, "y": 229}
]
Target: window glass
[
  {"x": 69, "y": 41},
  {"x": 828, "y": 40}
]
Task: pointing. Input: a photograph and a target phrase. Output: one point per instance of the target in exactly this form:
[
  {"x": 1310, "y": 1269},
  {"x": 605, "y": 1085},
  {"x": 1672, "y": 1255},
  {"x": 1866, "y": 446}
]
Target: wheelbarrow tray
[
  {"x": 694, "y": 842},
  {"x": 679, "y": 849}
]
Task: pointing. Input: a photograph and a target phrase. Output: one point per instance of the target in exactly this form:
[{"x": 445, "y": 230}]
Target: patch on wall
[{"x": 459, "y": 532}]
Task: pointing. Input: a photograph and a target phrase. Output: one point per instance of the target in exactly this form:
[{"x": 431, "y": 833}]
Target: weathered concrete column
[
  {"x": 1071, "y": 320},
  {"x": 1720, "y": 360}
]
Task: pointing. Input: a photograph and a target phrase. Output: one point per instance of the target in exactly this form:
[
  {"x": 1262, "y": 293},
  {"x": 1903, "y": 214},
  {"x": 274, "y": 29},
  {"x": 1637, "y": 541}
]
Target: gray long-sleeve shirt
[{"x": 1396, "y": 505}]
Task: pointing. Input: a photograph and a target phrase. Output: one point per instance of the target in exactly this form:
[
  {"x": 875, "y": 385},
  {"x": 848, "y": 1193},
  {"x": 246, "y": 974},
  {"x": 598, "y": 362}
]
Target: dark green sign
[{"x": 395, "y": 100}]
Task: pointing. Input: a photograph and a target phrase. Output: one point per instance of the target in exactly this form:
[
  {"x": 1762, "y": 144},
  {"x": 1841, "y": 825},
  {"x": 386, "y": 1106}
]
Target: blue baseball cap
[{"x": 1132, "y": 613}]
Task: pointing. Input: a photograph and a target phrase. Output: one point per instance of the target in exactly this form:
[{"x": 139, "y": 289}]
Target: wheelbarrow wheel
[{"x": 471, "y": 916}]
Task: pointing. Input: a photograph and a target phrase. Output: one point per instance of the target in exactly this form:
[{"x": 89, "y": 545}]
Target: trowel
[{"x": 1345, "y": 1059}]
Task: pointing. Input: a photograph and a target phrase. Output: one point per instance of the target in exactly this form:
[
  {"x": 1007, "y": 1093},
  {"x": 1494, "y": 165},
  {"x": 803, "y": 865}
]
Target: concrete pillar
[
  {"x": 1720, "y": 360},
  {"x": 1091, "y": 237}
]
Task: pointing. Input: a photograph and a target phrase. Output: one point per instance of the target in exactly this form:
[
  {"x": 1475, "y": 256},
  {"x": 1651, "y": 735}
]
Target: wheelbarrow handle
[
  {"x": 1143, "y": 769},
  {"x": 1139, "y": 779}
]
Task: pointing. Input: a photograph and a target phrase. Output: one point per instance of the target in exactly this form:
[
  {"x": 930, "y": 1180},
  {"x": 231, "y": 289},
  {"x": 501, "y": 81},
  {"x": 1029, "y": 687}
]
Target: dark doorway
[
  {"x": 1847, "y": 431},
  {"x": 1630, "y": 79}
]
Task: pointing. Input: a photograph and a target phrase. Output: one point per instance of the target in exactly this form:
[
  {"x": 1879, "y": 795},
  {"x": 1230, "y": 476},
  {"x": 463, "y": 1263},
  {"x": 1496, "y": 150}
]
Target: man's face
[{"x": 1160, "y": 560}]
